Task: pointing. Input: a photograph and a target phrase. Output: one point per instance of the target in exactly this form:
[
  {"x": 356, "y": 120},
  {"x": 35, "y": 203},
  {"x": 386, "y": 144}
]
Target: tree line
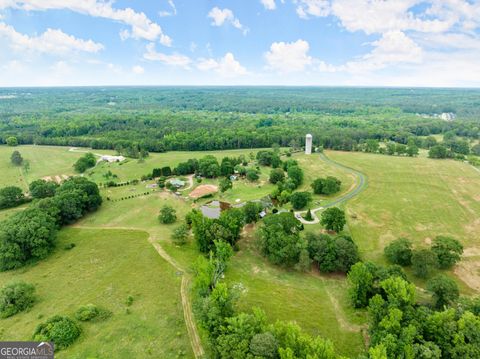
[{"x": 30, "y": 235}]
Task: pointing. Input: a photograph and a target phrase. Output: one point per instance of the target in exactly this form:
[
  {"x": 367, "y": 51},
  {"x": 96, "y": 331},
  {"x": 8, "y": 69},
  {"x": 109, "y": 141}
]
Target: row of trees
[{"x": 30, "y": 234}]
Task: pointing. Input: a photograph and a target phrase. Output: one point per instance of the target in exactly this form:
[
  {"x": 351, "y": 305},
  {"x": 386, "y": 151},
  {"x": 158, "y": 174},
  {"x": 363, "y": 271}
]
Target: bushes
[
  {"x": 276, "y": 175},
  {"x": 11, "y": 196},
  {"x": 252, "y": 175},
  {"x": 85, "y": 162},
  {"x": 167, "y": 215},
  {"x": 180, "y": 235},
  {"x": 16, "y": 297},
  {"x": 90, "y": 312},
  {"x": 42, "y": 189},
  {"x": 333, "y": 254},
  {"x": 327, "y": 186},
  {"x": 63, "y": 331}
]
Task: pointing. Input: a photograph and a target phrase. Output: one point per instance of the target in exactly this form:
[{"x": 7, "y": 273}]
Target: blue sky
[{"x": 240, "y": 42}]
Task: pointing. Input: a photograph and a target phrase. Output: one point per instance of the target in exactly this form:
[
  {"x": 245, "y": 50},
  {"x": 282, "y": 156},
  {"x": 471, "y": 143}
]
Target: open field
[
  {"x": 44, "y": 161},
  {"x": 104, "y": 268},
  {"x": 417, "y": 198}
]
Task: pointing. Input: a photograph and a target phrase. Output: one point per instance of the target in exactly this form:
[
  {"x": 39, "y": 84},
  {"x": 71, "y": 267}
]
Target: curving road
[{"x": 360, "y": 184}]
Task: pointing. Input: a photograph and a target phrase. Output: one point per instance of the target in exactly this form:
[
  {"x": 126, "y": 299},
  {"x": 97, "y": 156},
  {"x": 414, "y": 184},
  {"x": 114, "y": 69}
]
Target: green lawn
[{"x": 104, "y": 268}]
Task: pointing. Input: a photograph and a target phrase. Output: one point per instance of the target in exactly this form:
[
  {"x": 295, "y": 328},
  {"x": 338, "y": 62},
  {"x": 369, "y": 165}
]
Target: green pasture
[
  {"x": 417, "y": 198},
  {"x": 104, "y": 268}
]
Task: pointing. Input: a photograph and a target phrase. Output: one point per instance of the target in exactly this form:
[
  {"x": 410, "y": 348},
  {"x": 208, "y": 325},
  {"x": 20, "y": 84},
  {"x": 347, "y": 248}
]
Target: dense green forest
[{"x": 188, "y": 118}]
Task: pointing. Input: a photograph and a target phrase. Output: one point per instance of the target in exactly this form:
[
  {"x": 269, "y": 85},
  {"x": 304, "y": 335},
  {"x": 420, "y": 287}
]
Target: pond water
[{"x": 214, "y": 208}]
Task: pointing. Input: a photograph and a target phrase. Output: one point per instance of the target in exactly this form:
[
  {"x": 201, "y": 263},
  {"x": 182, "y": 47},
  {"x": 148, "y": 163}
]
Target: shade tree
[
  {"x": 448, "y": 251},
  {"x": 333, "y": 219},
  {"x": 16, "y": 158},
  {"x": 167, "y": 214},
  {"x": 399, "y": 252},
  {"x": 444, "y": 290},
  {"x": 424, "y": 262}
]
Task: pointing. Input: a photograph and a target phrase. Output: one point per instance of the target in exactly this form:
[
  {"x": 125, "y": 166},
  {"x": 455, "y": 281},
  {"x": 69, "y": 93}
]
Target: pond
[{"x": 214, "y": 208}]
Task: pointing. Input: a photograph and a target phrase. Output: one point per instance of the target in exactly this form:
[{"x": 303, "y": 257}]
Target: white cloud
[
  {"x": 374, "y": 16},
  {"x": 392, "y": 48},
  {"x": 221, "y": 16},
  {"x": 141, "y": 27},
  {"x": 288, "y": 57},
  {"x": 449, "y": 41},
  {"x": 312, "y": 8},
  {"x": 138, "y": 70},
  {"x": 51, "y": 42},
  {"x": 227, "y": 66},
  {"x": 269, "y": 4},
  {"x": 172, "y": 12},
  {"x": 172, "y": 60}
]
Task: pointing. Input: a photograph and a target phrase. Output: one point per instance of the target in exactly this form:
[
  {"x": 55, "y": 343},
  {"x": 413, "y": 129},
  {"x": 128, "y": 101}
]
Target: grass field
[
  {"x": 44, "y": 161},
  {"x": 417, "y": 198},
  {"x": 104, "y": 268}
]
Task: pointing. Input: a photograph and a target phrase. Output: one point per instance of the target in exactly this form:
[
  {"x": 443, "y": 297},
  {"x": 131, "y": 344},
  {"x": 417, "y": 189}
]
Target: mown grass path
[
  {"x": 187, "y": 308},
  {"x": 361, "y": 183}
]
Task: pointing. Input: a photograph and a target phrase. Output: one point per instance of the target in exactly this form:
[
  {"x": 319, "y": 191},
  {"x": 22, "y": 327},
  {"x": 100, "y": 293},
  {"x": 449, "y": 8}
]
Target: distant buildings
[
  {"x": 445, "y": 116},
  {"x": 308, "y": 144}
]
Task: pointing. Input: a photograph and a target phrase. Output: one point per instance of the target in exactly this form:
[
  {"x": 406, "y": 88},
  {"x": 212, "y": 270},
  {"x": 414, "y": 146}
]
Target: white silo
[{"x": 308, "y": 144}]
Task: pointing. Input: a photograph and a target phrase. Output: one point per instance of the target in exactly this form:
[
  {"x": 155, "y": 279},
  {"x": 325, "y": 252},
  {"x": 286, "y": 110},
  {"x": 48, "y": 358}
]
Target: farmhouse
[
  {"x": 177, "y": 183},
  {"x": 108, "y": 158}
]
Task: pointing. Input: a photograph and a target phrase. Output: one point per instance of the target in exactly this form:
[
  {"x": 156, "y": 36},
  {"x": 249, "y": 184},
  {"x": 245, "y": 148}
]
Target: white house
[{"x": 108, "y": 158}]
